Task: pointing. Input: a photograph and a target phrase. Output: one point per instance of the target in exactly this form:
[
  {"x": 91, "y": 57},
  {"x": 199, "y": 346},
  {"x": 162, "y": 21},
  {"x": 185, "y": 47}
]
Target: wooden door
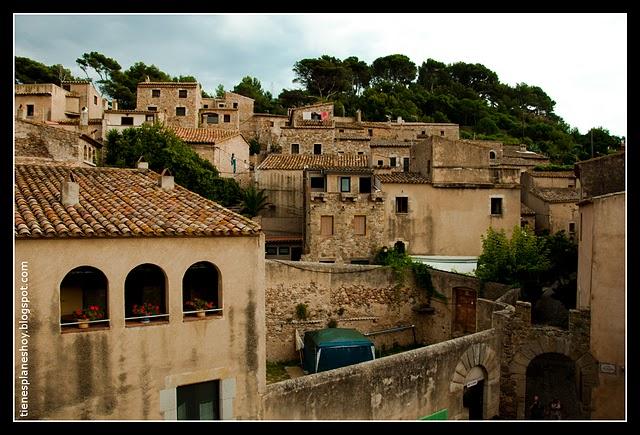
[{"x": 465, "y": 315}]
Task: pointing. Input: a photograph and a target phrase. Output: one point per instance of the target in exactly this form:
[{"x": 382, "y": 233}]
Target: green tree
[
  {"x": 254, "y": 200},
  {"x": 294, "y": 98},
  {"x": 220, "y": 91},
  {"x": 31, "y": 71},
  {"x": 163, "y": 149},
  {"x": 252, "y": 88},
  {"x": 395, "y": 68},
  {"x": 324, "y": 77}
]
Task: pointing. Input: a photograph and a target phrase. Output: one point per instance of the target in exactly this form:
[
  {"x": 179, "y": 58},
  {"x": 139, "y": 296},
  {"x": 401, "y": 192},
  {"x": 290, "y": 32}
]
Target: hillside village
[{"x": 192, "y": 301}]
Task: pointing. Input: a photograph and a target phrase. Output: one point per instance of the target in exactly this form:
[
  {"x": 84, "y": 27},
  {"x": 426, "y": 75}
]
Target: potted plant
[
  {"x": 145, "y": 309},
  {"x": 199, "y": 305},
  {"x": 85, "y": 315}
]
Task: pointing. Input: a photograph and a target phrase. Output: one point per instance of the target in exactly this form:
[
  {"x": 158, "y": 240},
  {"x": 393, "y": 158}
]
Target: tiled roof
[
  {"x": 168, "y": 84},
  {"x": 294, "y": 162},
  {"x": 553, "y": 174},
  {"x": 526, "y": 211},
  {"x": 349, "y": 125},
  {"x": 130, "y": 111},
  {"x": 517, "y": 161},
  {"x": 390, "y": 144},
  {"x": 343, "y": 136},
  {"x": 203, "y": 135},
  {"x": 76, "y": 82},
  {"x": 556, "y": 194},
  {"x": 92, "y": 121},
  {"x": 403, "y": 178},
  {"x": 116, "y": 203},
  {"x": 515, "y": 151}
]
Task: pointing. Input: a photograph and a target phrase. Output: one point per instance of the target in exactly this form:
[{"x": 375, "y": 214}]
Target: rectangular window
[
  {"x": 182, "y": 93},
  {"x": 317, "y": 184},
  {"x": 30, "y": 109},
  {"x": 283, "y": 250},
  {"x": 227, "y": 118},
  {"x": 149, "y": 118},
  {"x": 66, "y": 87},
  {"x": 341, "y": 130},
  {"x": 424, "y": 132},
  {"x": 360, "y": 225},
  {"x": 271, "y": 124},
  {"x": 271, "y": 250},
  {"x": 181, "y": 111},
  {"x": 392, "y": 162},
  {"x": 359, "y": 261},
  {"x": 126, "y": 120},
  {"x": 221, "y": 105},
  {"x": 152, "y": 108},
  {"x": 402, "y": 204},
  {"x": 380, "y": 162},
  {"x": 441, "y": 132},
  {"x": 345, "y": 184},
  {"x": 370, "y": 131},
  {"x": 317, "y": 148},
  {"x": 155, "y": 93},
  {"x": 206, "y": 106},
  {"x": 235, "y": 105},
  {"x": 360, "y": 153},
  {"x": 327, "y": 261},
  {"x": 199, "y": 401},
  {"x": 212, "y": 118},
  {"x": 95, "y": 100},
  {"x": 405, "y": 164},
  {"x": 572, "y": 228},
  {"x": 295, "y": 148},
  {"x": 496, "y": 206},
  {"x": 365, "y": 185},
  {"x": 326, "y": 225}
]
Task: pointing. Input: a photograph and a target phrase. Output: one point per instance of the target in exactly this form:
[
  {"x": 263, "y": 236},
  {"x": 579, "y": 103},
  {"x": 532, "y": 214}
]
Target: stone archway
[
  {"x": 585, "y": 368},
  {"x": 481, "y": 355}
]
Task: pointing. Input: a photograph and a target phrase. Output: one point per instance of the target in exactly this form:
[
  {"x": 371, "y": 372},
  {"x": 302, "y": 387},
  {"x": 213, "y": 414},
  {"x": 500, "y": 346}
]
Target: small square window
[
  {"x": 345, "y": 184},
  {"x": 370, "y": 131},
  {"x": 152, "y": 108},
  {"x": 220, "y": 105},
  {"x": 30, "y": 109},
  {"x": 317, "y": 184},
  {"x": 212, "y": 118},
  {"x": 496, "y": 206},
  {"x": 95, "y": 100},
  {"x": 392, "y": 162},
  {"x": 295, "y": 148},
  {"x": 126, "y": 120},
  {"x": 206, "y": 106},
  {"x": 235, "y": 105},
  {"x": 365, "y": 185},
  {"x": 149, "y": 118},
  {"x": 66, "y": 87},
  {"x": 227, "y": 118},
  {"x": 271, "y": 250},
  {"x": 283, "y": 250},
  {"x": 317, "y": 148},
  {"x": 360, "y": 153},
  {"x": 155, "y": 93},
  {"x": 441, "y": 132},
  {"x": 572, "y": 227},
  {"x": 181, "y": 111},
  {"x": 271, "y": 124},
  {"x": 182, "y": 93},
  {"x": 402, "y": 204},
  {"x": 380, "y": 162}
]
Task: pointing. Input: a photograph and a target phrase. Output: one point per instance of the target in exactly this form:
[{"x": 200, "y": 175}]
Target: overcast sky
[{"x": 579, "y": 60}]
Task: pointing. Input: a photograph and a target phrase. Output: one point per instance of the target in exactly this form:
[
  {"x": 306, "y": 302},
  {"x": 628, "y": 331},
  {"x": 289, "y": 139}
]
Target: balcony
[
  {"x": 377, "y": 196},
  {"x": 319, "y": 196},
  {"x": 348, "y": 196}
]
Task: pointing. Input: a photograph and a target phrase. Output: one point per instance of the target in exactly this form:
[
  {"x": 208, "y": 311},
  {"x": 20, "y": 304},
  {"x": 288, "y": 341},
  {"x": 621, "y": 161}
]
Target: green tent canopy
[{"x": 330, "y": 348}]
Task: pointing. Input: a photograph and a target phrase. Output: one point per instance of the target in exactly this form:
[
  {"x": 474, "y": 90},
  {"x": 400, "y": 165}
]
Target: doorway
[
  {"x": 465, "y": 314},
  {"x": 473, "y": 399}
]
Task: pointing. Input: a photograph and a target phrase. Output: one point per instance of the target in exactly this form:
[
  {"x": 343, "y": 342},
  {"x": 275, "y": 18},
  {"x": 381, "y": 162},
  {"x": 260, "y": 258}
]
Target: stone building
[
  {"x": 227, "y": 113},
  {"x": 180, "y": 102},
  {"x": 388, "y": 154},
  {"x": 601, "y": 276},
  {"x": 118, "y": 239},
  {"x": 552, "y": 195},
  {"x": 517, "y": 156},
  {"x": 119, "y": 119},
  {"x": 227, "y": 150},
  {"x": 46, "y": 144}
]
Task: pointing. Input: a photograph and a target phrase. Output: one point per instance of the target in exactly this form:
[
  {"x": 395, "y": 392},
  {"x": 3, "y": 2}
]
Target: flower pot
[
  {"x": 201, "y": 314},
  {"x": 83, "y": 324}
]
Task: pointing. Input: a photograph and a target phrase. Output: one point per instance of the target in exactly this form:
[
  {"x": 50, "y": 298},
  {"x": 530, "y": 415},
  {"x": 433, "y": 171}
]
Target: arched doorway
[
  {"x": 553, "y": 376},
  {"x": 473, "y": 393}
]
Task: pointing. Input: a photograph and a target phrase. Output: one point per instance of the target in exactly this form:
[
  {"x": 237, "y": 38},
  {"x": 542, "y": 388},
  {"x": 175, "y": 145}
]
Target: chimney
[
  {"x": 166, "y": 180},
  {"x": 358, "y": 116},
  {"x": 523, "y": 147},
  {"x": 114, "y": 104},
  {"x": 84, "y": 116},
  {"x": 399, "y": 119},
  {"x": 142, "y": 163},
  {"x": 21, "y": 112},
  {"x": 70, "y": 191}
]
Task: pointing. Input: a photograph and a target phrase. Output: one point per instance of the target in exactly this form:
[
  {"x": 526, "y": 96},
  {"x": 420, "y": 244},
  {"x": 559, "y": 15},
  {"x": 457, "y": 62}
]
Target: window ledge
[
  {"x": 75, "y": 329},
  {"x": 190, "y": 318},
  {"x": 137, "y": 323}
]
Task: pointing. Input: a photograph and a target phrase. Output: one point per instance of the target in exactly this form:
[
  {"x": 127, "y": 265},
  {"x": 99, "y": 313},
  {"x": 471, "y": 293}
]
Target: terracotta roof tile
[
  {"x": 92, "y": 121},
  {"x": 402, "y": 178},
  {"x": 168, "y": 84},
  {"x": 553, "y": 174},
  {"x": 526, "y": 211},
  {"x": 318, "y": 123},
  {"x": 203, "y": 135},
  {"x": 116, "y": 203},
  {"x": 390, "y": 144},
  {"x": 556, "y": 194},
  {"x": 294, "y": 162}
]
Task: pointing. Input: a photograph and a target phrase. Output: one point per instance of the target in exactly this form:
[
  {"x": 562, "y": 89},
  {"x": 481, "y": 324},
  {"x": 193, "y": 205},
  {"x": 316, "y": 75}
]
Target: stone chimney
[
  {"x": 114, "y": 104},
  {"x": 399, "y": 119},
  {"x": 84, "y": 116},
  {"x": 523, "y": 147},
  {"x": 142, "y": 163},
  {"x": 22, "y": 114},
  {"x": 358, "y": 115},
  {"x": 70, "y": 191},
  {"x": 165, "y": 180}
]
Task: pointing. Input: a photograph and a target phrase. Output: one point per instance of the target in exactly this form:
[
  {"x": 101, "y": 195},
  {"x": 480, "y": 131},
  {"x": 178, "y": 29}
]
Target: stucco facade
[
  {"x": 131, "y": 372},
  {"x": 553, "y": 197},
  {"x": 47, "y": 101}
]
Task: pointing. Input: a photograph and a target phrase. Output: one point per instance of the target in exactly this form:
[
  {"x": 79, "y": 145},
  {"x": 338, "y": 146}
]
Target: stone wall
[
  {"x": 364, "y": 297},
  {"x": 601, "y": 175},
  {"x": 406, "y": 386},
  {"x": 306, "y": 138},
  {"x": 343, "y": 245},
  {"x": 33, "y": 139},
  {"x": 169, "y": 100}
]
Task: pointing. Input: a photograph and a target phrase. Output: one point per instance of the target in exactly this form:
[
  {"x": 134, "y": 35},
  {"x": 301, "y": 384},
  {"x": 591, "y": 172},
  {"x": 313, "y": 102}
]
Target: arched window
[
  {"x": 492, "y": 155},
  {"x": 83, "y": 299},
  {"x": 201, "y": 295},
  {"x": 145, "y": 296}
]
